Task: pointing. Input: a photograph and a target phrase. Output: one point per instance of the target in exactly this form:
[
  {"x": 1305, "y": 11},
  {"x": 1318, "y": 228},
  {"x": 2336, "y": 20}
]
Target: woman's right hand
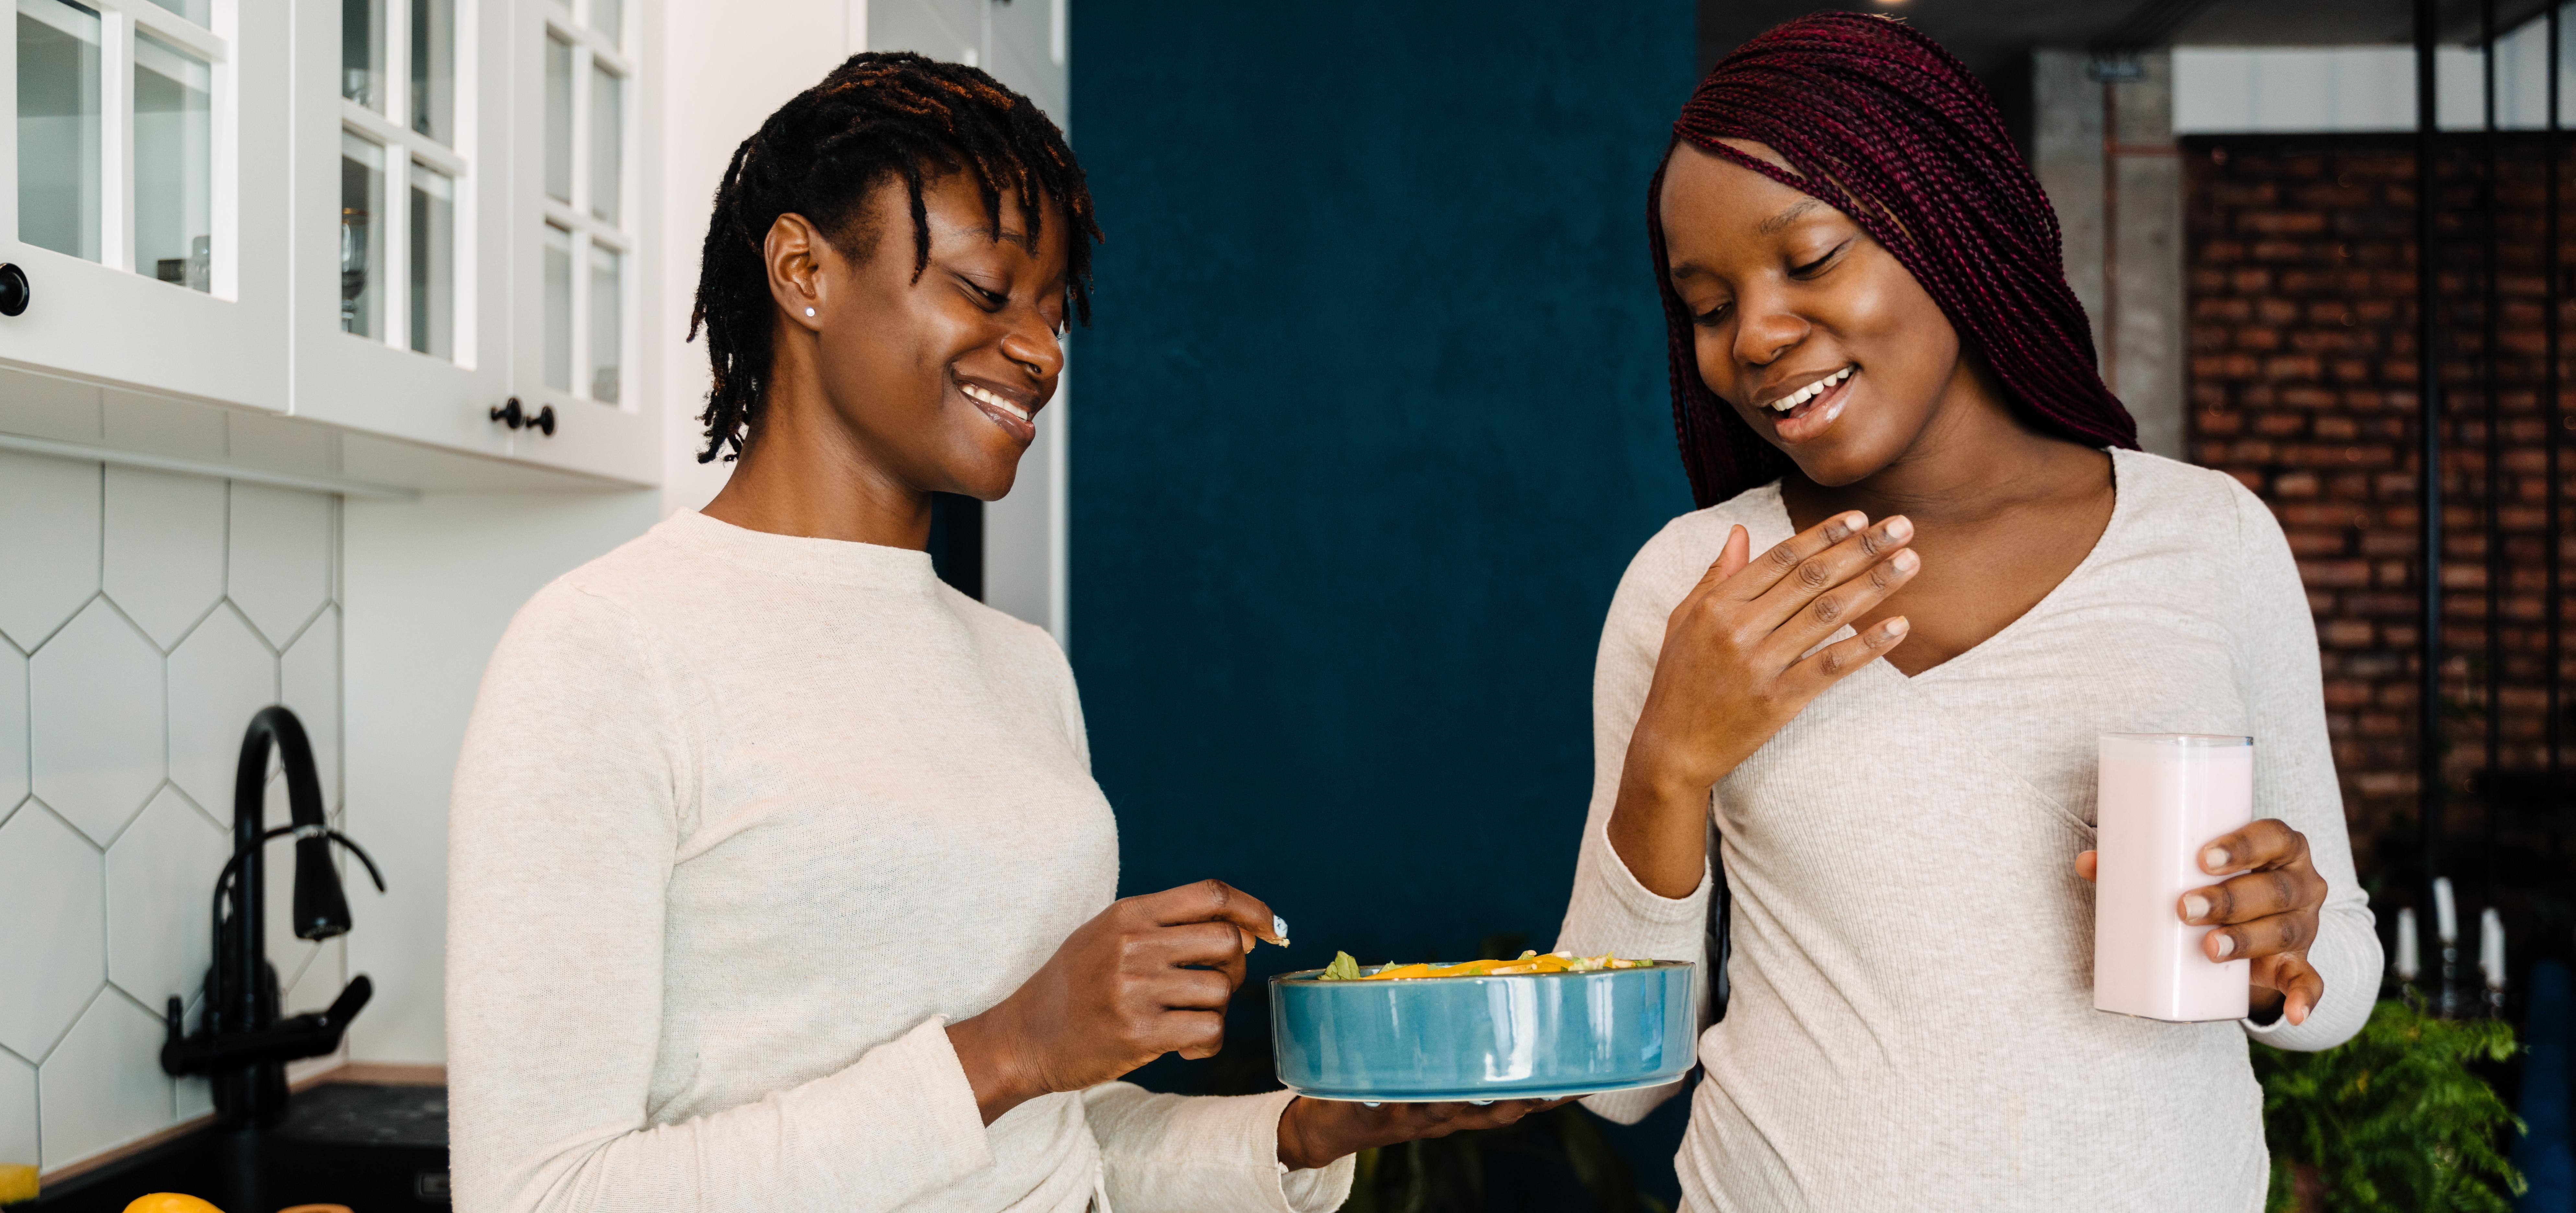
[
  {"x": 1149, "y": 975},
  {"x": 1734, "y": 669}
]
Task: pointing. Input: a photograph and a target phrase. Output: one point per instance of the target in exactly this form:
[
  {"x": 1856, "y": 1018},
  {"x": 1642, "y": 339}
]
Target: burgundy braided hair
[{"x": 1881, "y": 123}]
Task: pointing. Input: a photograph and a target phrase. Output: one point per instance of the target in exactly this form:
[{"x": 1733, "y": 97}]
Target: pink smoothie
[{"x": 2164, "y": 797}]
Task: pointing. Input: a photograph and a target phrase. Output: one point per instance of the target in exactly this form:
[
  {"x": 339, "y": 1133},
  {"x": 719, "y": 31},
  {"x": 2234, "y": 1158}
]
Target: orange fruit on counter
[{"x": 169, "y": 1202}]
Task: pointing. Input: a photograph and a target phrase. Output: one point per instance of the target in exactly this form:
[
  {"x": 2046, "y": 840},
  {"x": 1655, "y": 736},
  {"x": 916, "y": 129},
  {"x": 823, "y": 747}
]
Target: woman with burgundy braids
[{"x": 1929, "y": 568}]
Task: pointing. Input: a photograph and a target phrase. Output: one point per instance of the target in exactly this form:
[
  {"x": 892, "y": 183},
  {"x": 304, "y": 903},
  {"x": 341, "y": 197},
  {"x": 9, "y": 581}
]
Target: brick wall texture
[{"x": 2301, "y": 265}]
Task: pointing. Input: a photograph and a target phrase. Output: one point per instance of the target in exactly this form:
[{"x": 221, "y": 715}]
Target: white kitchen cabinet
[
  {"x": 577, "y": 221},
  {"x": 402, "y": 134},
  {"x": 384, "y": 218},
  {"x": 466, "y": 232},
  {"x": 146, "y": 194}
]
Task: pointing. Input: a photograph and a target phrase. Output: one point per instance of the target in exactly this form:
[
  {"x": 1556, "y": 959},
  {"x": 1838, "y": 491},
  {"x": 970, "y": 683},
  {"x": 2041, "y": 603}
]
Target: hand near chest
[{"x": 1740, "y": 659}]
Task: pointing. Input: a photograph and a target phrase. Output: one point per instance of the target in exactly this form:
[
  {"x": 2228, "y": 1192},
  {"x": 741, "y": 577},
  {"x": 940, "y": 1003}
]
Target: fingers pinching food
[{"x": 1149, "y": 975}]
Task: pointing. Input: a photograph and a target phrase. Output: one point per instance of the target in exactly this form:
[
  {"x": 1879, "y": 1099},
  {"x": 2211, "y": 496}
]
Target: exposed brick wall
[{"x": 2301, "y": 264}]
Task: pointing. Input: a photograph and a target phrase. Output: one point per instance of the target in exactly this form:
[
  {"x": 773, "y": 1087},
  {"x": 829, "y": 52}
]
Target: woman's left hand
[
  {"x": 2267, "y": 913},
  {"x": 1315, "y": 1132}
]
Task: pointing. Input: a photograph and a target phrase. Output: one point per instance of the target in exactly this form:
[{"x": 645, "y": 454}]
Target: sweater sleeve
[
  {"x": 569, "y": 804},
  {"x": 2294, "y": 775},
  {"x": 1203, "y": 1154},
  {"x": 1611, "y": 911}
]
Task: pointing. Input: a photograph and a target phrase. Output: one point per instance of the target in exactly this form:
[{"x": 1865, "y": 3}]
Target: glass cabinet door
[
  {"x": 400, "y": 305},
  {"x": 149, "y": 227},
  {"x": 575, "y": 210}
]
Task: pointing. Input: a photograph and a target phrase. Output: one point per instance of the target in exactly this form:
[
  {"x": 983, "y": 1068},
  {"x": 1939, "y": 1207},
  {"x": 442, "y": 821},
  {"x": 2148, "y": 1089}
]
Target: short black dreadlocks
[{"x": 876, "y": 116}]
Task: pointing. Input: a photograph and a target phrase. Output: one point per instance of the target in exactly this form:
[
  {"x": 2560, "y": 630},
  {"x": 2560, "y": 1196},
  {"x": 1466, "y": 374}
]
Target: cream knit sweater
[
  {"x": 742, "y": 821},
  {"x": 1912, "y": 1023}
]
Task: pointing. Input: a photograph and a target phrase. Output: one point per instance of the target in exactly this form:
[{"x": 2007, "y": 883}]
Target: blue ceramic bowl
[{"x": 1521, "y": 1036}]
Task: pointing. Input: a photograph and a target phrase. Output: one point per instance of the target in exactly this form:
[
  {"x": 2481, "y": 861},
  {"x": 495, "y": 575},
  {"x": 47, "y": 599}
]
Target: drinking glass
[{"x": 2163, "y": 798}]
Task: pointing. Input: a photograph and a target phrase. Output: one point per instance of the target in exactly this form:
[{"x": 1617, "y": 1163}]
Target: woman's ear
[{"x": 794, "y": 254}]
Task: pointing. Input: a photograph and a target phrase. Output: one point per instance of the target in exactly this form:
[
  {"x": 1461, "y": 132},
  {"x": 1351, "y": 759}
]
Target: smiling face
[
  {"x": 937, "y": 379},
  {"x": 1813, "y": 332}
]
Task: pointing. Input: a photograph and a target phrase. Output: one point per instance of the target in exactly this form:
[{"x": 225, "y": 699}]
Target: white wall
[
  {"x": 727, "y": 65},
  {"x": 2238, "y": 90}
]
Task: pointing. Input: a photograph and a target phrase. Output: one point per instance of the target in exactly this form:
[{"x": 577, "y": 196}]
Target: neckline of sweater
[{"x": 833, "y": 561}]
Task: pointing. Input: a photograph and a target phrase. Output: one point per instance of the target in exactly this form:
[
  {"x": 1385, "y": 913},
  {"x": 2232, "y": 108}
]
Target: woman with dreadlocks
[
  {"x": 1887, "y": 717},
  {"x": 779, "y": 881}
]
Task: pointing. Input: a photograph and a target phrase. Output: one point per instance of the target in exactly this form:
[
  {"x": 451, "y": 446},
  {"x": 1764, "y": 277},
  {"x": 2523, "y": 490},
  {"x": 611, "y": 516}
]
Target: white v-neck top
[
  {"x": 742, "y": 822},
  {"x": 1911, "y": 1024}
]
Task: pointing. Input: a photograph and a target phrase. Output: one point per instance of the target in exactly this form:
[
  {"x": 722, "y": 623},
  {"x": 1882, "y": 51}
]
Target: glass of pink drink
[{"x": 2164, "y": 797}]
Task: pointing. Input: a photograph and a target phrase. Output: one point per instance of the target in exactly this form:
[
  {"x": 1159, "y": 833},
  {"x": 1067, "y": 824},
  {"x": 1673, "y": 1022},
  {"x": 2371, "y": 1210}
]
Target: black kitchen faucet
[{"x": 241, "y": 1044}]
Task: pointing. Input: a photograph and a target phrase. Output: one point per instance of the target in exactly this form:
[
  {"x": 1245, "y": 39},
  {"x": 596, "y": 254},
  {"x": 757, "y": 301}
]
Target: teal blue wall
[{"x": 1370, "y": 417}]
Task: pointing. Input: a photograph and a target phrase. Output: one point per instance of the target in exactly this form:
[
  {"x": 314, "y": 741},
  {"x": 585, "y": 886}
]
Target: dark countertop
[
  {"x": 375, "y": 1148},
  {"x": 368, "y": 1114}
]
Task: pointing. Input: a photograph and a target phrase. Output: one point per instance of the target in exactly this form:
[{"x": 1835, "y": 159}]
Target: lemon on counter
[{"x": 169, "y": 1202}]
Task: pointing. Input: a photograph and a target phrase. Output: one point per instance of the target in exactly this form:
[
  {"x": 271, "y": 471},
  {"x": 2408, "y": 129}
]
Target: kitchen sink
[{"x": 374, "y": 1148}]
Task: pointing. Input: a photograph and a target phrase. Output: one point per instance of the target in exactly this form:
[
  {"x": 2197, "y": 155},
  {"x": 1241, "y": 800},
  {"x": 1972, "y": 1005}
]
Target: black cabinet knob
[
  {"x": 515, "y": 416},
  {"x": 14, "y": 291}
]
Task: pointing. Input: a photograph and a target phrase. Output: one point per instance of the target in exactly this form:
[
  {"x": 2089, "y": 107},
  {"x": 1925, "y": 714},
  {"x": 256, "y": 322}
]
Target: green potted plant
[{"x": 2392, "y": 1120}]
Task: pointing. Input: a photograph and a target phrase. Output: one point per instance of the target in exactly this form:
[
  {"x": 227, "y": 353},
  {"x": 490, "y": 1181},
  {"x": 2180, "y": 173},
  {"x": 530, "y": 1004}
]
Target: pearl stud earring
[{"x": 809, "y": 311}]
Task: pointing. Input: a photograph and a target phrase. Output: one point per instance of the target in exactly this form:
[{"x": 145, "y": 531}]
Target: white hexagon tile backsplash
[
  {"x": 144, "y": 617},
  {"x": 163, "y": 561},
  {"x": 49, "y": 518},
  {"x": 95, "y": 746}
]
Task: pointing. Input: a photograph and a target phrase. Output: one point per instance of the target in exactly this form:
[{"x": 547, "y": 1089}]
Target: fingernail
[
  {"x": 1905, "y": 560},
  {"x": 1894, "y": 628},
  {"x": 2214, "y": 859},
  {"x": 2225, "y": 946},
  {"x": 1897, "y": 528},
  {"x": 2194, "y": 907},
  {"x": 1279, "y": 930}
]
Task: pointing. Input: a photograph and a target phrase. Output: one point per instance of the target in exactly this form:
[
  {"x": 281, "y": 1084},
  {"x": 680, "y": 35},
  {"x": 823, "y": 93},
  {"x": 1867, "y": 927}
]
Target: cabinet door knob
[
  {"x": 509, "y": 414},
  {"x": 14, "y": 291},
  {"x": 544, "y": 421}
]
